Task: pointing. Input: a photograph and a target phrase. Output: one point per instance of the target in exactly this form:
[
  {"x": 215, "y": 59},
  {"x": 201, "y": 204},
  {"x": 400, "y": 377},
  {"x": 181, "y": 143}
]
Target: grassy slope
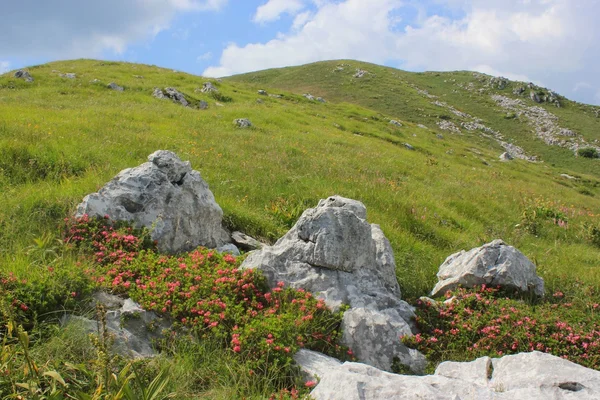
[{"x": 61, "y": 139}]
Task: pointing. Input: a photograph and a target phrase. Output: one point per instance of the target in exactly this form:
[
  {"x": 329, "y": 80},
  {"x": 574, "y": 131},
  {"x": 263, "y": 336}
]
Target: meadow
[{"x": 61, "y": 139}]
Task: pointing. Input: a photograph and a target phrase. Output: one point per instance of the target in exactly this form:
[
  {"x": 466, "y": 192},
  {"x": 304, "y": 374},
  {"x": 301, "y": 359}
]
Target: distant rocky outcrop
[
  {"x": 524, "y": 376},
  {"x": 208, "y": 87},
  {"x": 493, "y": 264},
  {"x": 68, "y": 75},
  {"x": 166, "y": 196},
  {"x": 114, "y": 86},
  {"x": 242, "y": 123},
  {"x": 22, "y": 74},
  {"x": 171, "y": 93},
  {"x": 334, "y": 253},
  {"x": 394, "y": 122},
  {"x": 506, "y": 156},
  {"x": 360, "y": 73}
]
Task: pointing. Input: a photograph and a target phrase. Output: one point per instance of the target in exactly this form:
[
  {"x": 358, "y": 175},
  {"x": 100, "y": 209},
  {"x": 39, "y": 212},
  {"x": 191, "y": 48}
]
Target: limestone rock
[
  {"x": 24, "y": 75},
  {"x": 245, "y": 242},
  {"x": 229, "y": 248},
  {"x": 519, "y": 90},
  {"x": 321, "y": 100},
  {"x": 493, "y": 264},
  {"x": 132, "y": 328},
  {"x": 176, "y": 96},
  {"x": 208, "y": 87},
  {"x": 524, "y": 376},
  {"x": 506, "y": 156},
  {"x": 334, "y": 253},
  {"x": 394, "y": 122},
  {"x": 409, "y": 146},
  {"x": 68, "y": 75},
  {"x": 534, "y": 96},
  {"x": 158, "y": 93},
  {"x": 262, "y": 92},
  {"x": 308, "y": 96},
  {"x": 242, "y": 123},
  {"x": 360, "y": 73},
  {"x": 114, "y": 86},
  {"x": 166, "y": 196},
  {"x": 203, "y": 105}
]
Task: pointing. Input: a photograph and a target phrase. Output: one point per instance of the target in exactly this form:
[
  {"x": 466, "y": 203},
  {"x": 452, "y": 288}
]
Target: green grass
[{"x": 61, "y": 139}]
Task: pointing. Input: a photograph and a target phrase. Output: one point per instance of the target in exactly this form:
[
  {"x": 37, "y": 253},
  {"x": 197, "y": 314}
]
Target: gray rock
[
  {"x": 68, "y": 75},
  {"x": 208, "y": 87},
  {"x": 534, "y": 97},
  {"x": 132, "y": 328},
  {"x": 262, "y": 92},
  {"x": 309, "y": 96},
  {"x": 158, "y": 93},
  {"x": 394, "y": 122},
  {"x": 519, "y": 90},
  {"x": 524, "y": 376},
  {"x": 166, "y": 196},
  {"x": 229, "y": 248},
  {"x": 567, "y": 176},
  {"x": 321, "y": 100},
  {"x": 114, "y": 86},
  {"x": 24, "y": 75},
  {"x": 334, "y": 253},
  {"x": 498, "y": 82},
  {"x": 409, "y": 146},
  {"x": 110, "y": 301},
  {"x": 242, "y": 123},
  {"x": 276, "y": 96},
  {"x": 314, "y": 365},
  {"x": 203, "y": 105},
  {"x": 506, "y": 156},
  {"x": 176, "y": 96},
  {"x": 439, "y": 136},
  {"x": 493, "y": 264},
  {"x": 360, "y": 73},
  {"x": 246, "y": 242}
]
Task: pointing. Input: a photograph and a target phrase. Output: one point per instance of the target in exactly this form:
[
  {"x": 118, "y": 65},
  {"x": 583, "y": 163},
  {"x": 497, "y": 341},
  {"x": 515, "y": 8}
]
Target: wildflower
[{"x": 310, "y": 384}]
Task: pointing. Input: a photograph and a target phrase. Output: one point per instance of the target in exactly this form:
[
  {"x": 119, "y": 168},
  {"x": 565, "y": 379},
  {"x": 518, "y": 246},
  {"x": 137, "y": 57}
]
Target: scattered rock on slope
[
  {"x": 170, "y": 93},
  {"x": 334, "y": 253},
  {"x": 114, "y": 86},
  {"x": 208, "y": 87},
  {"x": 524, "y": 376},
  {"x": 242, "y": 123},
  {"x": 24, "y": 75},
  {"x": 245, "y": 242},
  {"x": 68, "y": 75},
  {"x": 506, "y": 156},
  {"x": 394, "y": 122},
  {"x": 493, "y": 264},
  {"x": 164, "y": 194}
]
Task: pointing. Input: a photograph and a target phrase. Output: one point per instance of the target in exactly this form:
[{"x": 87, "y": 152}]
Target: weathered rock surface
[
  {"x": 409, "y": 146},
  {"x": 208, "y": 87},
  {"x": 360, "y": 73},
  {"x": 262, "y": 92},
  {"x": 23, "y": 75},
  {"x": 68, "y": 75},
  {"x": 534, "y": 97},
  {"x": 309, "y": 96},
  {"x": 114, "y": 86},
  {"x": 321, "y": 100},
  {"x": 334, "y": 253},
  {"x": 132, "y": 328},
  {"x": 506, "y": 156},
  {"x": 245, "y": 242},
  {"x": 242, "y": 123},
  {"x": 394, "y": 122},
  {"x": 203, "y": 105},
  {"x": 524, "y": 376},
  {"x": 170, "y": 93},
  {"x": 493, "y": 264},
  {"x": 166, "y": 196}
]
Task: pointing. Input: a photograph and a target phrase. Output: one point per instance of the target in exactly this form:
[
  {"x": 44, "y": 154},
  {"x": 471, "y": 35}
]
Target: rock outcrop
[
  {"x": 166, "y": 196},
  {"x": 524, "y": 376},
  {"x": 493, "y": 264},
  {"x": 208, "y": 87},
  {"x": 242, "y": 123},
  {"x": 394, "y": 122},
  {"x": 132, "y": 328},
  {"x": 334, "y": 253},
  {"x": 22, "y": 74},
  {"x": 171, "y": 93},
  {"x": 506, "y": 156},
  {"x": 114, "y": 86},
  {"x": 245, "y": 242}
]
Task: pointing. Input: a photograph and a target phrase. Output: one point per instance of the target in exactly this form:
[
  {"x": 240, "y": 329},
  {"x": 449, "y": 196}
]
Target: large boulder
[
  {"x": 524, "y": 376},
  {"x": 334, "y": 253},
  {"x": 493, "y": 264},
  {"x": 166, "y": 196}
]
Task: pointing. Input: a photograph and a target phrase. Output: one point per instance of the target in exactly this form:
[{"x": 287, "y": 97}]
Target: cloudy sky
[{"x": 555, "y": 43}]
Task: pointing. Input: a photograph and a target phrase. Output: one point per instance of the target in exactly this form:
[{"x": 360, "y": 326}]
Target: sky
[{"x": 554, "y": 43}]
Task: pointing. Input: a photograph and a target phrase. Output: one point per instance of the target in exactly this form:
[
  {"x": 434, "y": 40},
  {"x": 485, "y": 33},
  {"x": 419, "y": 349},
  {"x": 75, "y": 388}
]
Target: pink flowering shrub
[
  {"x": 482, "y": 323},
  {"x": 207, "y": 292}
]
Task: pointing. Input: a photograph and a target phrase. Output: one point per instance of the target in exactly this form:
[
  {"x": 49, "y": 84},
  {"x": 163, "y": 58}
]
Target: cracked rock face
[
  {"x": 524, "y": 376},
  {"x": 166, "y": 196},
  {"x": 493, "y": 264},
  {"x": 334, "y": 253}
]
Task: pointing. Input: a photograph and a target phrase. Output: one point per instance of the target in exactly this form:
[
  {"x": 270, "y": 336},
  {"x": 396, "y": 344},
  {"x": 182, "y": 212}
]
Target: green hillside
[{"x": 434, "y": 192}]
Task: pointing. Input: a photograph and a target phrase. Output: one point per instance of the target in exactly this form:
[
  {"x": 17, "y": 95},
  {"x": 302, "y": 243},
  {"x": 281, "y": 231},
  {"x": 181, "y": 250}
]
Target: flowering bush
[
  {"x": 207, "y": 292},
  {"x": 484, "y": 324}
]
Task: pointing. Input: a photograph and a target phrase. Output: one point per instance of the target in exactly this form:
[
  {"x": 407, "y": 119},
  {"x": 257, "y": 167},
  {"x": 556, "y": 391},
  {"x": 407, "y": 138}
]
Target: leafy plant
[{"x": 587, "y": 152}]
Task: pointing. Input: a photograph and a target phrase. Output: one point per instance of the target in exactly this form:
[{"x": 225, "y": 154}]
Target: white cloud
[
  {"x": 550, "y": 41},
  {"x": 203, "y": 57},
  {"x": 86, "y": 28},
  {"x": 273, "y": 9},
  {"x": 486, "y": 69},
  {"x": 4, "y": 67}
]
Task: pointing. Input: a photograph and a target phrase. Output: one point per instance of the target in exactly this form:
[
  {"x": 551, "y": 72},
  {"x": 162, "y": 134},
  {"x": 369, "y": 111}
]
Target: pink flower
[
  {"x": 237, "y": 349},
  {"x": 310, "y": 384}
]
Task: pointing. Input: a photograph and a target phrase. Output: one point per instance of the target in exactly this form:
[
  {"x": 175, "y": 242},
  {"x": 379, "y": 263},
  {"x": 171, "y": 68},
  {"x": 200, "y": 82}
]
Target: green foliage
[
  {"x": 482, "y": 322},
  {"x": 587, "y": 152}
]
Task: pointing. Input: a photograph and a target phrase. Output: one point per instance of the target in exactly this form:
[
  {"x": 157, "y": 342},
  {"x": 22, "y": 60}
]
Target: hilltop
[{"x": 420, "y": 150}]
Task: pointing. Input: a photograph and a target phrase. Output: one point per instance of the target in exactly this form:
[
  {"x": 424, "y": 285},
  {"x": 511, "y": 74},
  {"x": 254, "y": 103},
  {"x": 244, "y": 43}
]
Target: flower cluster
[{"x": 484, "y": 323}]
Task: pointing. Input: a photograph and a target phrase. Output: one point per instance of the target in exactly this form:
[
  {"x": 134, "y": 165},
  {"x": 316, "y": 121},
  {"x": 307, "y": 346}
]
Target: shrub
[
  {"x": 486, "y": 324},
  {"x": 587, "y": 152}
]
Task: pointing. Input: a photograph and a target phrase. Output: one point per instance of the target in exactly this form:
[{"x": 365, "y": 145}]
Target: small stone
[
  {"x": 506, "y": 156},
  {"x": 229, "y": 248},
  {"x": 394, "y": 122},
  {"x": 242, "y": 123},
  {"x": 24, "y": 75},
  {"x": 114, "y": 86},
  {"x": 246, "y": 242},
  {"x": 321, "y": 100},
  {"x": 208, "y": 87},
  {"x": 68, "y": 75},
  {"x": 262, "y": 92},
  {"x": 203, "y": 105},
  {"x": 408, "y": 146}
]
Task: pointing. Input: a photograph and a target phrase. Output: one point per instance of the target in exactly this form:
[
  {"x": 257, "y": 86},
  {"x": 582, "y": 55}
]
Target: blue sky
[{"x": 555, "y": 43}]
